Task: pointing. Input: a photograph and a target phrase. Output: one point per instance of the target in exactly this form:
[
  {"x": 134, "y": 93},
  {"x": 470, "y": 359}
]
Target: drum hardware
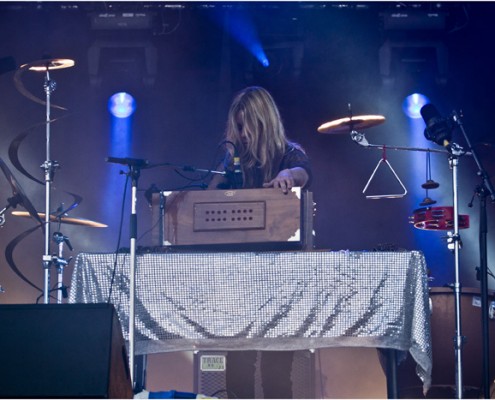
[
  {"x": 58, "y": 260},
  {"x": 439, "y": 130},
  {"x": 454, "y": 241},
  {"x": 437, "y": 219},
  {"x": 41, "y": 66},
  {"x": 49, "y": 166},
  {"x": 429, "y": 184},
  {"x": 351, "y": 125},
  {"x": 60, "y": 263}
]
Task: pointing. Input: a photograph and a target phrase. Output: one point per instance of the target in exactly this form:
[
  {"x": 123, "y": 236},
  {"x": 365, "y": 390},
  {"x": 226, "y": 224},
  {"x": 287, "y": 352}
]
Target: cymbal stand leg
[{"x": 49, "y": 167}]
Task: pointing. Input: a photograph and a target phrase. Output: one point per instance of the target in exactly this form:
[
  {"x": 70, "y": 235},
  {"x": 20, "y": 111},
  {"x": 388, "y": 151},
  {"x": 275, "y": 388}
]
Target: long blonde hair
[{"x": 263, "y": 128}]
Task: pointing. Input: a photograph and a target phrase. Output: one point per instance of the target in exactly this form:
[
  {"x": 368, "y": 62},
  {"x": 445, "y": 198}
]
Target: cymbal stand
[
  {"x": 49, "y": 167},
  {"x": 60, "y": 262},
  {"x": 454, "y": 240}
]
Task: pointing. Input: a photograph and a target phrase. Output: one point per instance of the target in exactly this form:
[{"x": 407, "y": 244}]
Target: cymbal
[
  {"x": 40, "y": 66},
  {"x": 50, "y": 64},
  {"x": 345, "y": 125},
  {"x": 65, "y": 220}
]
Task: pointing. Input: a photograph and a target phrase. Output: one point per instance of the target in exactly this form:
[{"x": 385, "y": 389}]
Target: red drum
[
  {"x": 437, "y": 219},
  {"x": 443, "y": 333}
]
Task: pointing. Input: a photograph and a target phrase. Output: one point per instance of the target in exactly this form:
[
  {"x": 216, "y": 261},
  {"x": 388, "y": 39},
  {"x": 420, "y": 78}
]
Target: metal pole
[
  {"x": 134, "y": 171},
  {"x": 49, "y": 86},
  {"x": 458, "y": 340}
]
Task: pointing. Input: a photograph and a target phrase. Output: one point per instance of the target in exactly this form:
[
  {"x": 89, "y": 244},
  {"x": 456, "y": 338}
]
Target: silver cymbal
[{"x": 49, "y": 64}]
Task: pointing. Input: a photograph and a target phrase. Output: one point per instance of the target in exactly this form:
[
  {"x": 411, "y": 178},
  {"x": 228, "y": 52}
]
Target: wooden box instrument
[{"x": 267, "y": 217}]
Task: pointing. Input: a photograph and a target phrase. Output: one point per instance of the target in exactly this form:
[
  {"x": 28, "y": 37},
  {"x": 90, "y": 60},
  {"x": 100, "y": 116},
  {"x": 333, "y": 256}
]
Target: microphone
[
  {"x": 237, "y": 164},
  {"x": 237, "y": 170},
  {"x": 438, "y": 129},
  {"x": 132, "y": 162}
]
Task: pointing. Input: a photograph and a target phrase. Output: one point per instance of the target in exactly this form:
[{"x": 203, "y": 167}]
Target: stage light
[
  {"x": 260, "y": 55},
  {"x": 242, "y": 28},
  {"x": 121, "y": 105},
  {"x": 412, "y": 105}
]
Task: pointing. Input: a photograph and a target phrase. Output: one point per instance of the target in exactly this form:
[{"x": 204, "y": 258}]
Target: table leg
[{"x": 391, "y": 374}]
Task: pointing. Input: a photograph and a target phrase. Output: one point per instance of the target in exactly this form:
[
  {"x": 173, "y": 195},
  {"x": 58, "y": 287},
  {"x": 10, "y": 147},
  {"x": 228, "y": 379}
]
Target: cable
[{"x": 119, "y": 238}]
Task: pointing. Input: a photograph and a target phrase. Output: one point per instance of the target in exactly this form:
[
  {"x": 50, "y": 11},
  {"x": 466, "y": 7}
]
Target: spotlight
[
  {"x": 413, "y": 103},
  {"x": 121, "y": 105},
  {"x": 265, "y": 62},
  {"x": 260, "y": 54}
]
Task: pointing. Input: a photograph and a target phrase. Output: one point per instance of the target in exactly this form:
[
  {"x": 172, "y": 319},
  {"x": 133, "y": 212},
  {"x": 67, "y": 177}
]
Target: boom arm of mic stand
[
  {"x": 361, "y": 140},
  {"x": 186, "y": 168},
  {"x": 145, "y": 164},
  {"x": 481, "y": 171}
]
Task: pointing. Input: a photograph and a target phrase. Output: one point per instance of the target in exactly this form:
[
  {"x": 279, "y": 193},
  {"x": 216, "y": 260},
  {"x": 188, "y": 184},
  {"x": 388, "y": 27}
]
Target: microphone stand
[
  {"x": 483, "y": 190},
  {"x": 135, "y": 166},
  {"x": 134, "y": 172}
]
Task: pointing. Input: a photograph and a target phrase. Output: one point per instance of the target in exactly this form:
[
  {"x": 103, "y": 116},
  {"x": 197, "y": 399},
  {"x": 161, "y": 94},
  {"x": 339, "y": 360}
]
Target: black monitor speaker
[{"x": 62, "y": 351}]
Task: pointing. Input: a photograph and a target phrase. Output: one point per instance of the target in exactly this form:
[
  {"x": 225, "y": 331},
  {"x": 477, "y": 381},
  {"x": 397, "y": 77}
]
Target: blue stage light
[
  {"x": 121, "y": 105},
  {"x": 413, "y": 103},
  {"x": 265, "y": 62},
  {"x": 257, "y": 50},
  {"x": 242, "y": 28}
]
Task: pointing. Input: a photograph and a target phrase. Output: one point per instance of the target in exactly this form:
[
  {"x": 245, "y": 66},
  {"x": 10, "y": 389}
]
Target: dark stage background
[{"x": 324, "y": 57}]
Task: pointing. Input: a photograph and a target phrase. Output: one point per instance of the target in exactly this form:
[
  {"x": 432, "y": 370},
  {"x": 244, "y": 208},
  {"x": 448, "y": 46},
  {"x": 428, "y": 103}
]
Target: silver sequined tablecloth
[{"x": 266, "y": 301}]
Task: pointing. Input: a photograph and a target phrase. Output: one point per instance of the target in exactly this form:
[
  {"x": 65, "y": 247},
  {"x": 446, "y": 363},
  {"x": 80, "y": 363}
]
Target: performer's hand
[{"x": 284, "y": 180}]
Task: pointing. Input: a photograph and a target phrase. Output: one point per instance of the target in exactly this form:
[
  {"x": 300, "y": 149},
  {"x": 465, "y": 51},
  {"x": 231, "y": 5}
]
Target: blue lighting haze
[
  {"x": 121, "y": 107},
  {"x": 241, "y": 27}
]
